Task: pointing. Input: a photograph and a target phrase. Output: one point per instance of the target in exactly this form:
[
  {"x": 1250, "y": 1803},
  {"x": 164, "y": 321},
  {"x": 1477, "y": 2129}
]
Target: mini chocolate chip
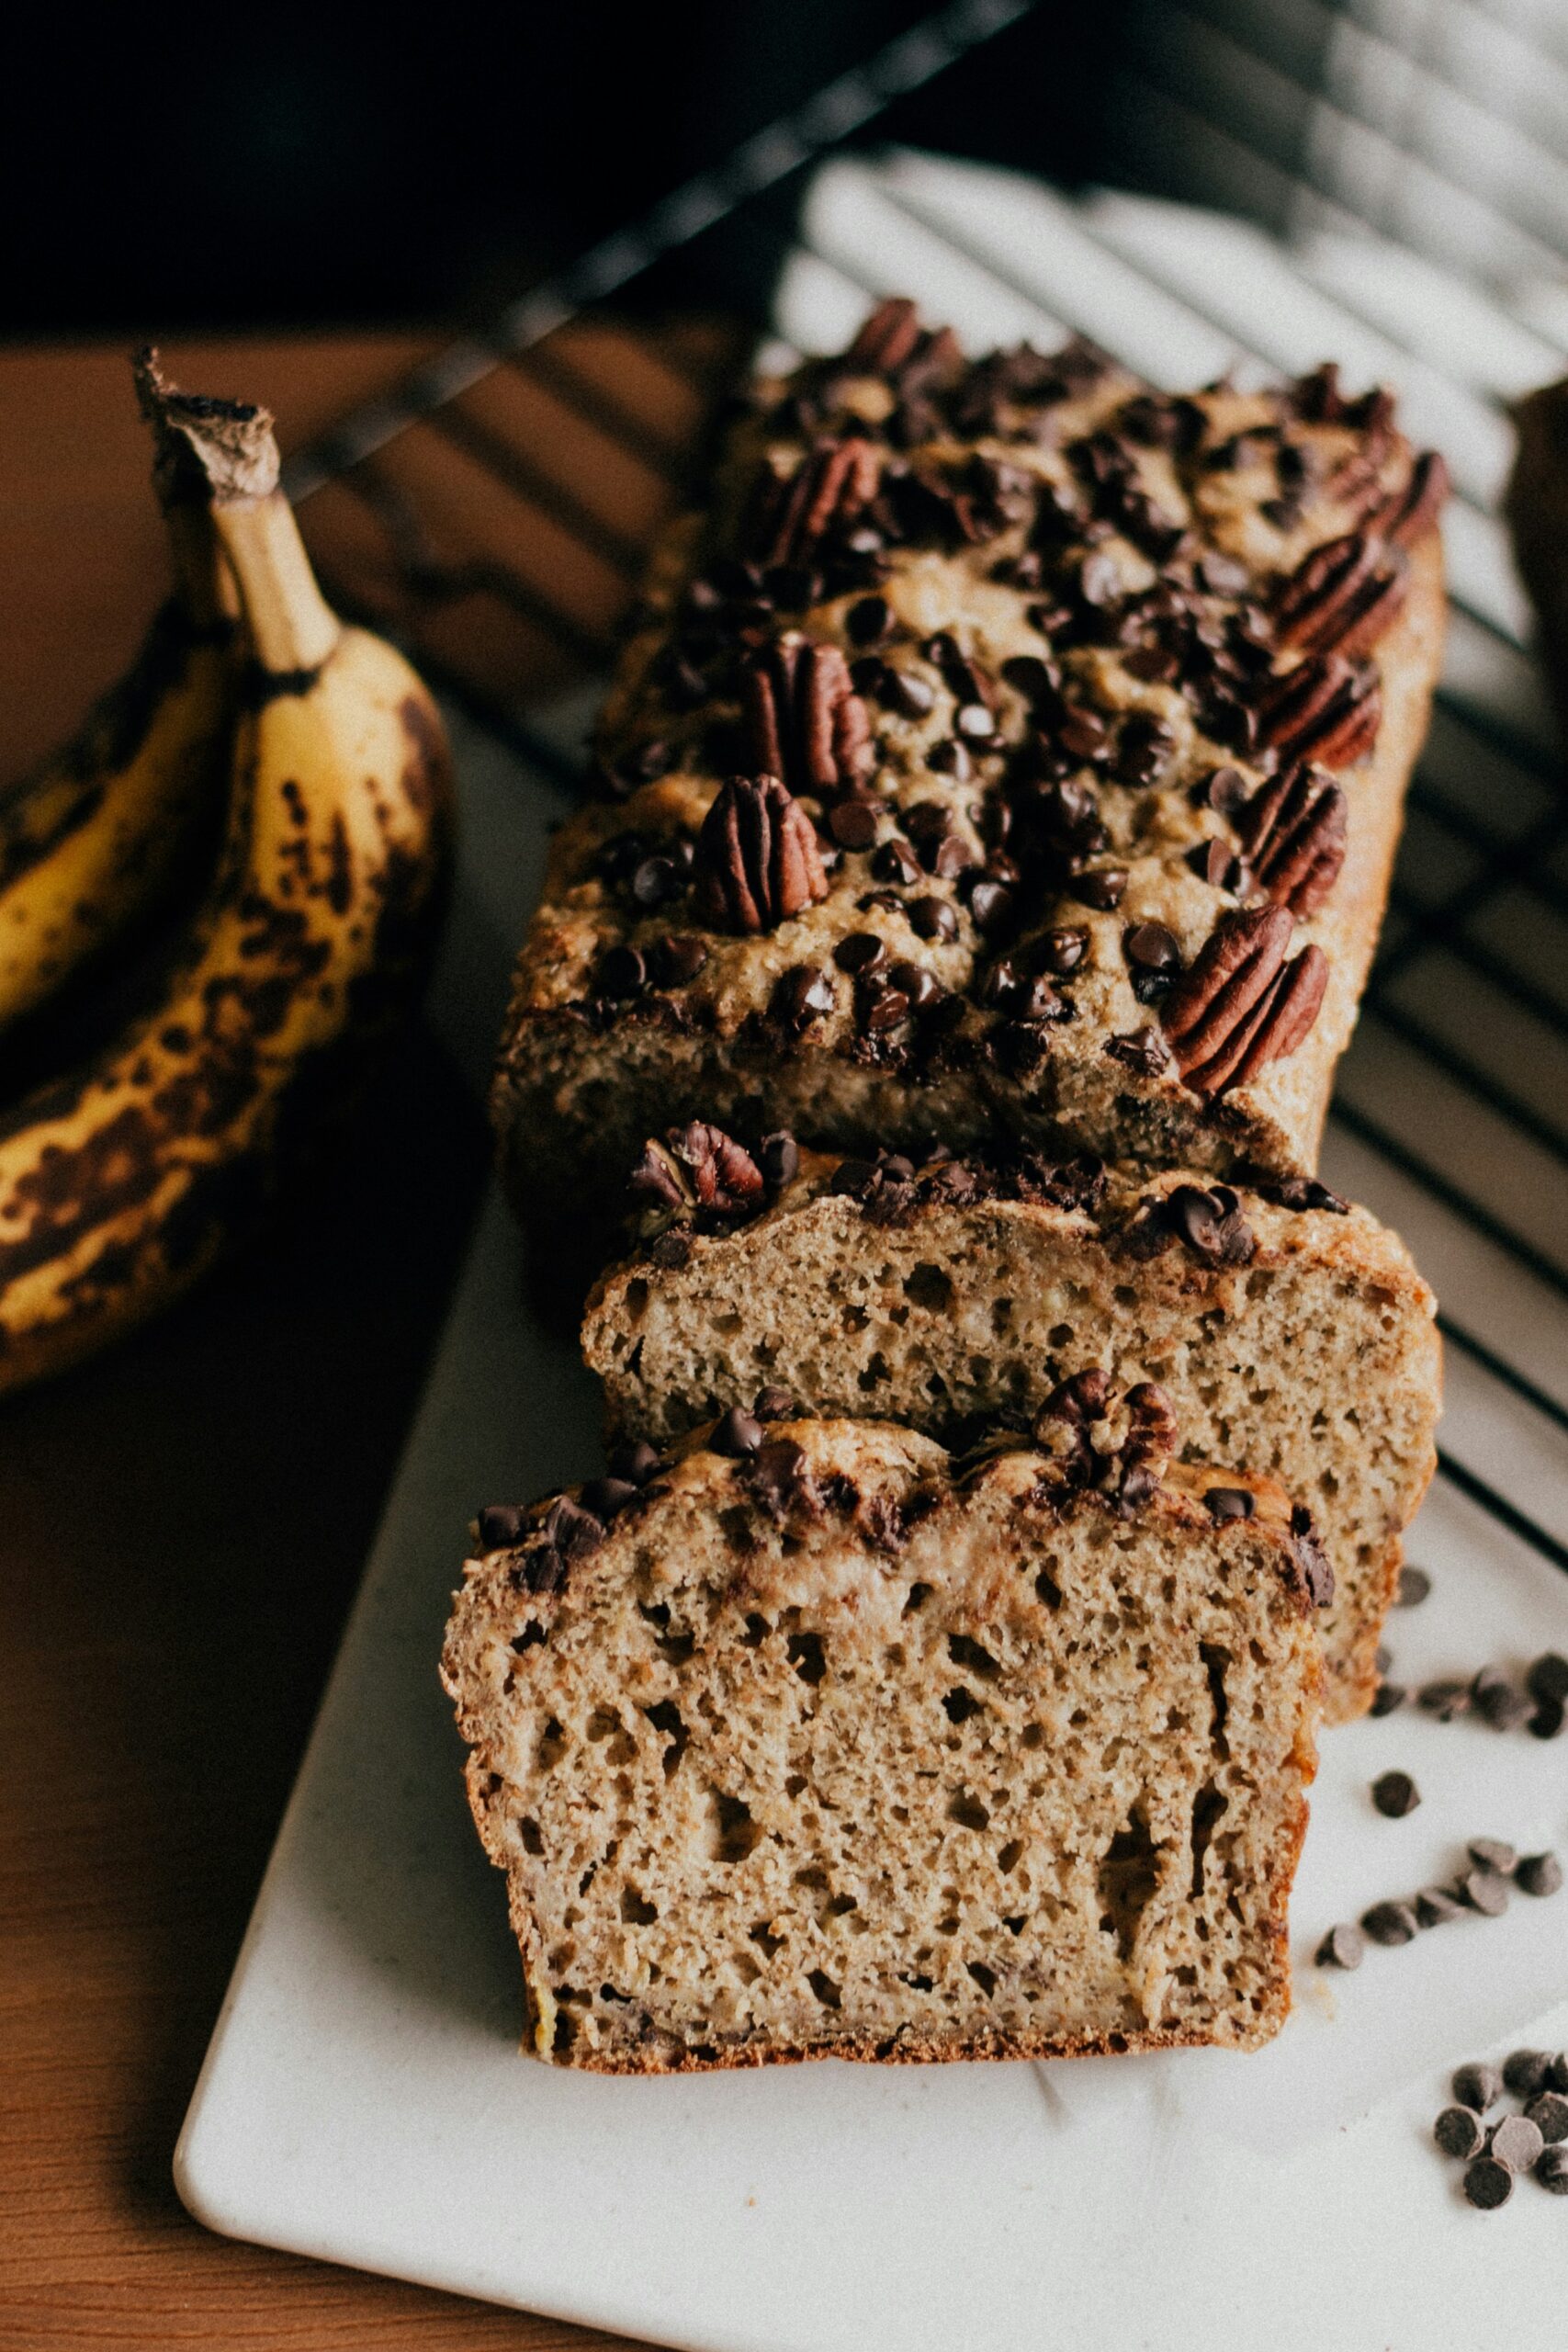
[
  {"x": 1551, "y": 2169},
  {"x": 1458, "y": 2132},
  {"x": 1479, "y": 2086},
  {"x": 774, "y": 1405},
  {"x": 1395, "y": 1795},
  {"x": 1492, "y": 1854},
  {"x": 1485, "y": 1892},
  {"x": 1488, "y": 2184},
  {"x": 861, "y": 952},
  {"x": 1547, "y": 1678},
  {"x": 1228, "y": 1502},
  {"x": 852, "y": 823},
  {"x": 1101, "y": 887},
  {"x": 1060, "y": 952},
  {"x": 778, "y": 1157},
  {"x": 933, "y": 919},
  {"x": 1548, "y": 2112},
  {"x": 674, "y": 960},
  {"x": 1538, "y": 1874},
  {"x": 869, "y": 621},
  {"x": 1386, "y": 1698},
  {"x": 738, "y": 1433},
  {"x": 1548, "y": 1719},
  {"x": 1446, "y": 1700},
  {"x": 1435, "y": 1906},
  {"x": 501, "y": 1526},
  {"x": 1526, "y": 2072},
  {"x": 620, "y": 973},
  {"x": 1342, "y": 1947},
  {"x": 1150, "y": 948},
  {"x": 1517, "y": 2142},
  {"x": 1390, "y": 1923},
  {"x": 1415, "y": 1585},
  {"x": 1494, "y": 1699}
]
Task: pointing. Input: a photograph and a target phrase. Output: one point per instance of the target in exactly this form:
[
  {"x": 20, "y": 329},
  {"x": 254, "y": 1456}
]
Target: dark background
[{"x": 337, "y": 164}]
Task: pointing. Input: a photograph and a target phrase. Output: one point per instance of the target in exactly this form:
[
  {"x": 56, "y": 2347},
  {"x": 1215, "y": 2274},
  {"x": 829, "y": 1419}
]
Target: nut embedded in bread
[
  {"x": 1292, "y": 1332},
  {"x": 817, "y": 1741},
  {"x": 1008, "y": 749}
]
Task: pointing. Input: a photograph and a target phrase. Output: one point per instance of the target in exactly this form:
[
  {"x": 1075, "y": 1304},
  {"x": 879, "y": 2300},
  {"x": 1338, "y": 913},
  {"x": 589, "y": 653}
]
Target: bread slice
[
  {"x": 820, "y": 1742},
  {"x": 1293, "y": 1331}
]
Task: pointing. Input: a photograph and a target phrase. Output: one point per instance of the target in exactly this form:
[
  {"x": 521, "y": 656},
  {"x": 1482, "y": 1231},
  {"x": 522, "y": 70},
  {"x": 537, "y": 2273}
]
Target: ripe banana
[
  {"x": 120, "y": 1184},
  {"x": 93, "y": 839}
]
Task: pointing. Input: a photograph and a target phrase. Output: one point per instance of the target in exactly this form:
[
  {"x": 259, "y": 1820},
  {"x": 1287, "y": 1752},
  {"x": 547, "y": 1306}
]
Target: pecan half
[
  {"x": 758, "y": 861},
  {"x": 805, "y": 720},
  {"x": 893, "y": 343},
  {"x": 1342, "y": 597},
  {"x": 1212, "y": 1013},
  {"x": 1326, "y": 709},
  {"x": 1294, "y": 1005},
  {"x": 1151, "y": 1425},
  {"x": 1409, "y": 512},
  {"x": 832, "y": 484},
  {"x": 1295, "y": 829}
]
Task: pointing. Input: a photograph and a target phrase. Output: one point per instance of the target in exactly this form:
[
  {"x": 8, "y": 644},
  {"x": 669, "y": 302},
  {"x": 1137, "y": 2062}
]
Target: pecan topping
[
  {"x": 1342, "y": 597},
  {"x": 699, "y": 1166},
  {"x": 1326, "y": 709},
  {"x": 1240, "y": 1004},
  {"x": 1408, "y": 513},
  {"x": 892, "y": 342},
  {"x": 1128, "y": 1472},
  {"x": 758, "y": 860},
  {"x": 1294, "y": 830},
  {"x": 805, "y": 720},
  {"x": 830, "y": 488}
]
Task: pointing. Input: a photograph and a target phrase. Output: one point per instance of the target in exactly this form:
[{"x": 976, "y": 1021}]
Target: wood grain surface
[{"x": 182, "y": 1523}]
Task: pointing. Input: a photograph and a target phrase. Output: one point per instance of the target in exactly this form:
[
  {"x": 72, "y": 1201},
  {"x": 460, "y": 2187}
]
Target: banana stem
[{"x": 292, "y": 626}]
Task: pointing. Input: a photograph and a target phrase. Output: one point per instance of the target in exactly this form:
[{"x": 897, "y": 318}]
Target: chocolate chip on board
[
  {"x": 1395, "y": 1795},
  {"x": 1517, "y": 2142},
  {"x": 1538, "y": 1874},
  {"x": 1548, "y": 1677},
  {"x": 1496, "y": 1700},
  {"x": 1558, "y": 2077},
  {"x": 1488, "y": 2184},
  {"x": 1548, "y": 2112},
  {"x": 1387, "y": 1697},
  {"x": 1551, "y": 2168},
  {"x": 1342, "y": 1947},
  {"x": 1485, "y": 1891},
  {"x": 1458, "y": 2132},
  {"x": 1390, "y": 1923},
  {"x": 1479, "y": 2086},
  {"x": 1415, "y": 1585},
  {"x": 1492, "y": 1854},
  {"x": 1526, "y": 2072},
  {"x": 1435, "y": 1906},
  {"x": 1446, "y": 1700}
]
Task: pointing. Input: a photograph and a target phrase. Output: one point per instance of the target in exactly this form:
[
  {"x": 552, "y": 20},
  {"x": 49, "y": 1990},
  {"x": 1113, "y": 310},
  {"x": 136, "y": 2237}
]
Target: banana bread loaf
[
  {"x": 813, "y": 1740},
  {"x": 1008, "y": 749},
  {"x": 1293, "y": 1331}
]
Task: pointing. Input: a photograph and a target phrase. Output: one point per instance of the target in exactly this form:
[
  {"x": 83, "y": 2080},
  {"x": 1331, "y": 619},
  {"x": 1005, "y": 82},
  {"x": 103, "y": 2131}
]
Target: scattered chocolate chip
[
  {"x": 1154, "y": 663},
  {"x": 1547, "y": 1678},
  {"x": 1395, "y": 1795},
  {"x": 1224, "y": 1503},
  {"x": 1383, "y": 1658},
  {"x": 897, "y": 862},
  {"x": 1144, "y": 1051},
  {"x": 951, "y": 858},
  {"x": 933, "y": 919},
  {"x": 605, "y": 1497},
  {"x": 1558, "y": 2077},
  {"x": 502, "y": 1526},
  {"x": 778, "y": 1157},
  {"x": 1526, "y": 2072},
  {"x": 902, "y": 691},
  {"x": 1488, "y": 2184},
  {"x": 1435, "y": 1906},
  {"x": 869, "y": 621},
  {"x": 800, "y": 995},
  {"x": 1548, "y": 2111},
  {"x": 1551, "y": 2169},
  {"x": 1060, "y": 952},
  {"x": 950, "y": 757},
  {"x": 1447, "y": 1700},
  {"x": 1479, "y": 2086},
  {"x": 1538, "y": 1874},
  {"x": 1102, "y": 887},
  {"x": 1224, "y": 789},
  {"x": 636, "y": 1463},
  {"x": 1496, "y": 1700},
  {"x": 1485, "y": 1892},
  {"x": 852, "y": 823},
  {"x": 861, "y": 952},
  {"x": 1390, "y": 1923},
  {"x": 1386, "y": 1698},
  {"x": 1083, "y": 734},
  {"x": 914, "y": 982},
  {"x": 673, "y": 961},
  {"x": 1150, "y": 948},
  {"x": 1415, "y": 1585},
  {"x": 1342, "y": 1947},
  {"x": 1458, "y": 2132},
  {"x": 620, "y": 973},
  {"x": 1492, "y": 1854},
  {"x": 1548, "y": 1719},
  {"x": 1517, "y": 2142},
  {"x": 737, "y": 1433},
  {"x": 990, "y": 904},
  {"x": 774, "y": 1405}
]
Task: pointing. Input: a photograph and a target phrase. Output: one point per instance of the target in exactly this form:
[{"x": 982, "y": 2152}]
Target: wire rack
[{"x": 496, "y": 512}]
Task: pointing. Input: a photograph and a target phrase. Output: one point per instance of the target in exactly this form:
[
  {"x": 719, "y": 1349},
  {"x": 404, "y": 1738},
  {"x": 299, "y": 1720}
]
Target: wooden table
[{"x": 182, "y": 1525}]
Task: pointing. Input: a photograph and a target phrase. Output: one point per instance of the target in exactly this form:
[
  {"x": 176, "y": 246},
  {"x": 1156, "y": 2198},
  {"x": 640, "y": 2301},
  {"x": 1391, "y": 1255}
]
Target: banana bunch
[{"x": 123, "y": 1178}]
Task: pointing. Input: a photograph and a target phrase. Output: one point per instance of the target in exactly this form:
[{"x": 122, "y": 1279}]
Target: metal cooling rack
[{"x": 496, "y": 512}]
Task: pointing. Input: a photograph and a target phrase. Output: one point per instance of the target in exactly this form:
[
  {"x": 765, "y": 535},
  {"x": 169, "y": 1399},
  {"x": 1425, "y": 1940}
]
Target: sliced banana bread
[
  {"x": 813, "y": 1740},
  {"x": 1293, "y": 1331}
]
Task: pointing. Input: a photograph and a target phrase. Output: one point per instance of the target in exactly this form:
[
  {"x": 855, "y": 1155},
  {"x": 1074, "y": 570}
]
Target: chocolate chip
[
  {"x": 1479, "y": 2086},
  {"x": 880, "y": 1007},
  {"x": 674, "y": 960},
  {"x": 502, "y": 1526},
  {"x": 1494, "y": 1699},
  {"x": 1485, "y": 1892},
  {"x": 1342, "y": 1947},
  {"x": 1547, "y": 1678},
  {"x": 1538, "y": 1874},
  {"x": 852, "y": 823},
  {"x": 738, "y": 1433},
  {"x": 1526, "y": 2072},
  {"x": 1551, "y": 2169},
  {"x": 1390, "y": 1923},
  {"x": 1517, "y": 2142},
  {"x": 896, "y": 862},
  {"x": 1386, "y": 1698},
  {"x": 949, "y": 857},
  {"x": 933, "y": 919},
  {"x": 605, "y": 1497},
  {"x": 1488, "y": 2184},
  {"x": 778, "y": 1157},
  {"x": 1060, "y": 952},
  {"x": 1152, "y": 662},
  {"x": 1415, "y": 1585},
  {"x": 654, "y": 880},
  {"x": 990, "y": 904},
  {"x": 869, "y": 621},
  {"x": 1224, "y": 1503},
  {"x": 1395, "y": 1795},
  {"x": 1458, "y": 2132},
  {"x": 1548, "y": 2112},
  {"x": 861, "y": 952},
  {"x": 1492, "y": 1854},
  {"x": 1435, "y": 1906},
  {"x": 1144, "y": 1051},
  {"x": 800, "y": 995},
  {"x": 774, "y": 1405},
  {"x": 950, "y": 757},
  {"x": 1548, "y": 1719},
  {"x": 1558, "y": 2077},
  {"x": 636, "y": 1463},
  {"x": 1101, "y": 887},
  {"x": 1446, "y": 1700},
  {"x": 620, "y": 973},
  {"x": 903, "y": 693},
  {"x": 919, "y": 985},
  {"x": 1150, "y": 948},
  {"x": 1083, "y": 734},
  {"x": 1224, "y": 789}
]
